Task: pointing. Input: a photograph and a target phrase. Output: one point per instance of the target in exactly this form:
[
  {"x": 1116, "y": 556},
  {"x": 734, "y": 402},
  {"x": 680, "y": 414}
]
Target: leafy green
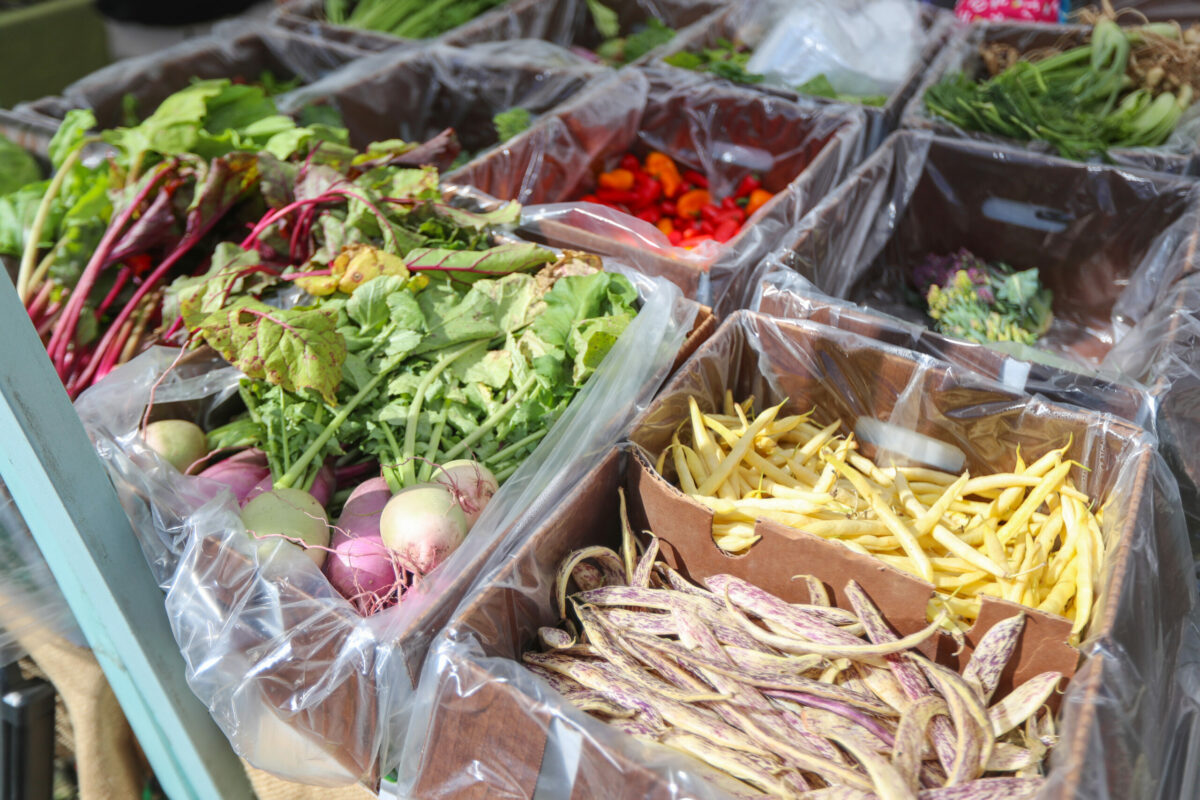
[
  {"x": 605, "y": 19},
  {"x": 1080, "y": 100},
  {"x": 295, "y": 348},
  {"x": 17, "y": 167},
  {"x": 821, "y": 87},
  {"x": 725, "y": 59},
  {"x": 409, "y": 19},
  {"x": 618, "y": 51},
  {"x": 511, "y": 122},
  {"x": 971, "y": 299}
]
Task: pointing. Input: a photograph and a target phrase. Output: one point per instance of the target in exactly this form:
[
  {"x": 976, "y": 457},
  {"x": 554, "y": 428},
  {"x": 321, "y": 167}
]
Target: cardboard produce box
[
  {"x": 568, "y": 23},
  {"x": 738, "y": 24},
  {"x": 414, "y": 94},
  {"x": 787, "y": 296},
  {"x": 801, "y": 149},
  {"x": 302, "y": 684},
  {"x": 1180, "y": 155},
  {"x": 846, "y": 377},
  {"x": 490, "y": 712},
  {"x": 1108, "y": 242},
  {"x": 238, "y": 51}
]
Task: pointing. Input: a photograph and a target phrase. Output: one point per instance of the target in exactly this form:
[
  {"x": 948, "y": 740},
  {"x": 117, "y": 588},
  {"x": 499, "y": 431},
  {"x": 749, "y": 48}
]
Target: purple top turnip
[
  {"x": 423, "y": 525},
  {"x": 178, "y": 442},
  {"x": 471, "y": 483},
  {"x": 281, "y": 514}
]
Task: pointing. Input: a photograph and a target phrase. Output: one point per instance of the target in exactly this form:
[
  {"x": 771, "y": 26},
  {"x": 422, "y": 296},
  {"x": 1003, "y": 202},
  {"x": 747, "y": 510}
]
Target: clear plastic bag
[
  {"x": 801, "y": 150},
  {"x": 1179, "y": 155},
  {"x": 487, "y": 727},
  {"x": 1163, "y": 350},
  {"x": 568, "y": 23},
  {"x": 300, "y": 683},
  {"x": 1108, "y": 242},
  {"x": 413, "y": 94},
  {"x": 30, "y": 600},
  {"x": 749, "y": 21},
  {"x": 234, "y": 50},
  {"x": 863, "y": 47}
]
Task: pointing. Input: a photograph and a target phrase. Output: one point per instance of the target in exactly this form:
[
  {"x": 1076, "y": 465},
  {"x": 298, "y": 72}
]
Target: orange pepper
[
  {"x": 620, "y": 179},
  {"x": 690, "y": 203},
  {"x": 666, "y": 226},
  {"x": 757, "y": 198},
  {"x": 660, "y": 166}
]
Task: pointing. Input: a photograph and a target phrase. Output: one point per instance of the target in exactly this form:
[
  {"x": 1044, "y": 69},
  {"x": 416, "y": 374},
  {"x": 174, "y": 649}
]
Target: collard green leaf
[
  {"x": 70, "y": 135},
  {"x": 579, "y": 297},
  {"x": 295, "y": 349}
]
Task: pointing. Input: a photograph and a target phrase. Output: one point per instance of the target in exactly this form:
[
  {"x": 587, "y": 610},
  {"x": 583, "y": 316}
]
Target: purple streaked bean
[
  {"x": 597, "y": 703},
  {"x": 764, "y": 679},
  {"x": 555, "y": 638},
  {"x": 843, "y": 710},
  {"x": 992, "y": 655},
  {"x": 559, "y": 682},
  {"x": 635, "y": 727},
  {"x": 987, "y": 789},
  {"x": 758, "y": 771},
  {"x": 805, "y": 738},
  {"x": 910, "y": 737},
  {"x": 587, "y": 576},
  {"x": 604, "y": 555},
  {"x": 1010, "y": 758},
  {"x": 1023, "y": 702},
  {"x": 655, "y": 623},
  {"x": 888, "y": 783},
  {"x": 676, "y": 581},
  {"x": 763, "y": 604},
  {"x": 817, "y": 594},
  {"x": 641, "y": 573},
  {"x": 829, "y": 771},
  {"x": 973, "y": 746},
  {"x": 912, "y": 681},
  {"x": 883, "y": 684},
  {"x": 623, "y": 693},
  {"x": 860, "y": 652},
  {"x": 838, "y": 793}
]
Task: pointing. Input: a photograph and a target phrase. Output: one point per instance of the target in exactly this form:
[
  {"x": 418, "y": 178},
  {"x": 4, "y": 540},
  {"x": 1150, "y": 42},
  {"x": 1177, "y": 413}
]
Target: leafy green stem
[
  {"x": 407, "y": 466},
  {"x": 492, "y": 421},
  {"x": 25, "y": 284}
]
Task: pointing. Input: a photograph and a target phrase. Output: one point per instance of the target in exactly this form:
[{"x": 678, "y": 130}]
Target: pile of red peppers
[{"x": 678, "y": 204}]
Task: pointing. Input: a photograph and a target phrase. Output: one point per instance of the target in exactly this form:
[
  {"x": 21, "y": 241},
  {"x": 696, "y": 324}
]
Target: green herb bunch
[{"x": 971, "y": 299}]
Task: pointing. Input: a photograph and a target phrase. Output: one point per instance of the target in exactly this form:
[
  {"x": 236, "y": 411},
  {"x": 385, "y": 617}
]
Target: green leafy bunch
[{"x": 971, "y": 299}]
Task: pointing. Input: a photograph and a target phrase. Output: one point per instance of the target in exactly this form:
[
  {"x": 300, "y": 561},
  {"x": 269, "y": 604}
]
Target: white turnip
[
  {"x": 289, "y": 513},
  {"x": 423, "y": 525},
  {"x": 180, "y": 443},
  {"x": 471, "y": 483},
  {"x": 241, "y": 474}
]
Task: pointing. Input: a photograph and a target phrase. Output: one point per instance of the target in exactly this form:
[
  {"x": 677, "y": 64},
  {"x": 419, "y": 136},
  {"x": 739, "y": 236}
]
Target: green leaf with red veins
[
  {"x": 297, "y": 348},
  {"x": 468, "y": 265}
]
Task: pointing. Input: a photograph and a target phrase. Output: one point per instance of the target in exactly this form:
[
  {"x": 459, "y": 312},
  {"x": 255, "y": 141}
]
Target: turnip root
[
  {"x": 362, "y": 510},
  {"x": 180, "y": 443},
  {"x": 423, "y": 525},
  {"x": 362, "y": 566},
  {"x": 241, "y": 473},
  {"x": 290, "y": 513},
  {"x": 471, "y": 483}
]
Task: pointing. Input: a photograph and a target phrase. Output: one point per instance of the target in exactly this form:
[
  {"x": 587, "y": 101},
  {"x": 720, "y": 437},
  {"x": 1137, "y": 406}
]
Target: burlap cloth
[{"x": 108, "y": 762}]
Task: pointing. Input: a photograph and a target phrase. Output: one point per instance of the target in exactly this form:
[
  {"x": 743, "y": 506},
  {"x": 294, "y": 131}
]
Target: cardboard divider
[
  {"x": 801, "y": 149},
  {"x": 936, "y": 25},
  {"x": 1094, "y": 391},
  {"x": 568, "y": 23},
  {"x": 961, "y": 54},
  {"x": 1106, "y": 241}
]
